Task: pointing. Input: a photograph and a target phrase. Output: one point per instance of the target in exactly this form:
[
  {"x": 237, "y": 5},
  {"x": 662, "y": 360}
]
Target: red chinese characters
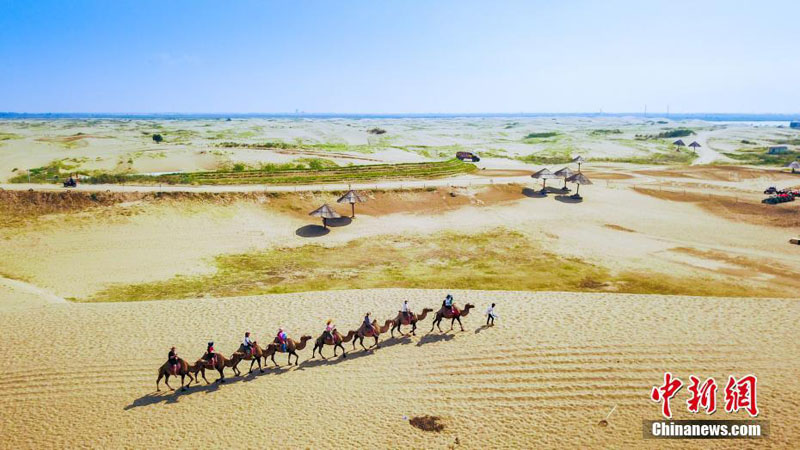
[
  {"x": 703, "y": 396},
  {"x": 665, "y": 392},
  {"x": 741, "y": 394}
]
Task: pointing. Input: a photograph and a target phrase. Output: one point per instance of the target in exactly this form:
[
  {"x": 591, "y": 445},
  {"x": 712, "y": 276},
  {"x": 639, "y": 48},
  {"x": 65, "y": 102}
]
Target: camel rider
[
  {"x": 247, "y": 343},
  {"x": 330, "y": 328},
  {"x": 173, "y": 357},
  {"x": 449, "y": 302},
  {"x": 282, "y": 338},
  {"x": 210, "y": 351},
  {"x": 406, "y": 311},
  {"x": 368, "y": 322}
]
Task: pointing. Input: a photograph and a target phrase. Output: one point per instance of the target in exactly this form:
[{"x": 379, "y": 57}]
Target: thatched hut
[
  {"x": 578, "y": 179},
  {"x": 694, "y": 145},
  {"x": 326, "y": 212},
  {"x": 794, "y": 165},
  {"x": 351, "y": 197},
  {"x": 579, "y": 160},
  {"x": 544, "y": 175},
  {"x": 679, "y": 143}
]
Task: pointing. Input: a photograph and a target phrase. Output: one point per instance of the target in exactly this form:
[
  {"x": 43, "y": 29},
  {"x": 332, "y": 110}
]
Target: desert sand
[{"x": 553, "y": 367}]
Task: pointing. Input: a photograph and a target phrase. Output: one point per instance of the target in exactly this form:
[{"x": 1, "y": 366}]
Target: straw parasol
[
  {"x": 579, "y": 160},
  {"x": 564, "y": 173},
  {"x": 694, "y": 145},
  {"x": 351, "y": 197},
  {"x": 578, "y": 179},
  {"x": 794, "y": 165},
  {"x": 325, "y": 212},
  {"x": 679, "y": 143},
  {"x": 544, "y": 175}
]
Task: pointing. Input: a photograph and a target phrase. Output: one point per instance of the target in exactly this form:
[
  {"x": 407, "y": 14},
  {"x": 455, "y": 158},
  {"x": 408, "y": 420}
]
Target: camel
[
  {"x": 291, "y": 349},
  {"x": 445, "y": 313},
  {"x": 374, "y": 332},
  {"x": 167, "y": 369},
  {"x": 401, "y": 320},
  {"x": 220, "y": 363},
  {"x": 322, "y": 341},
  {"x": 255, "y": 355}
]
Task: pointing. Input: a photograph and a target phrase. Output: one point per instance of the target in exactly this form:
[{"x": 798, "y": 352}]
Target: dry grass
[
  {"x": 784, "y": 215},
  {"x": 427, "y": 423},
  {"x": 498, "y": 259},
  {"x": 619, "y": 228}
]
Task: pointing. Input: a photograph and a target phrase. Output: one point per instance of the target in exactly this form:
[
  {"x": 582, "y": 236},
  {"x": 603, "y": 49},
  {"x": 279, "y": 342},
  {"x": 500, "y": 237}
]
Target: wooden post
[{"x": 353, "y": 210}]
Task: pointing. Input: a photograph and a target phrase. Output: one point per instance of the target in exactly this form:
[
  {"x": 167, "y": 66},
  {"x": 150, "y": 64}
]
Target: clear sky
[{"x": 380, "y": 56}]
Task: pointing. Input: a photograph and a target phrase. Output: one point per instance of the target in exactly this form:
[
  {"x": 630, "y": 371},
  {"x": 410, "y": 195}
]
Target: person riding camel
[
  {"x": 247, "y": 343},
  {"x": 173, "y": 357},
  {"x": 368, "y": 322},
  {"x": 449, "y": 302},
  {"x": 282, "y": 338},
  {"x": 330, "y": 329},
  {"x": 210, "y": 354},
  {"x": 406, "y": 311}
]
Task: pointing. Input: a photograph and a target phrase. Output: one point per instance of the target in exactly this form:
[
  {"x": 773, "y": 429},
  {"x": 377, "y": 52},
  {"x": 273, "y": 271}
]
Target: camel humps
[
  {"x": 167, "y": 369},
  {"x": 446, "y": 313},
  {"x": 324, "y": 340},
  {"x": 291, "y": 348}
]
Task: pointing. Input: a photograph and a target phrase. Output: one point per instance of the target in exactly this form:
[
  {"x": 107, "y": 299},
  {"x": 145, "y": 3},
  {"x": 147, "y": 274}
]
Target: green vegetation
[
  {"x": 493, "y": 260},
  {"x": 53, "y": 172},
  {"x": 541, "y": 135},
  {"x": 545, "y": 159},
  {"x": 760, "y": 157},
  {"x": 157, "y": 138},
  {"x": 670, "y": 157},
  {"x": 604, "y": 132},
  {"x": 298, "y": 174},
  {"x": 8, "y": 136},
  {"x": 669, "y": 134},
  {"x": 376, "y": 130}
]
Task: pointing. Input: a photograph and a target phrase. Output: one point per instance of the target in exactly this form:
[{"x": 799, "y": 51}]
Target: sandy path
[
  {"x": 553, "y": 367},
  {"x": 706, "y": 154}
]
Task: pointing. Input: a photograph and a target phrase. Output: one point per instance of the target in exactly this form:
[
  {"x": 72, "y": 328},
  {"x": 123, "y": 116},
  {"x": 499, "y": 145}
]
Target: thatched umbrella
[
  {"x": 578, "y": 159},
  {"x": 679, "y": 143},
  {"x": 694, "y": 145},
  {"x": 351, "y": 197},
  {"x": 564, "y": 173},
  {"x": 794, "y": 165},
  {"x": 325, "y": 212},
  {"x": 578, "y": 179},
  {"x": 544, "y": 175}
]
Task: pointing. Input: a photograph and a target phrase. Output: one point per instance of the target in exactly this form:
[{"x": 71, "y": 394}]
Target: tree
[{"x": 157, "y": 138}]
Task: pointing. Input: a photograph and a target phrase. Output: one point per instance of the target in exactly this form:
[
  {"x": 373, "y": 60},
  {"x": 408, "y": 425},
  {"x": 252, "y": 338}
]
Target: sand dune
[{"x": 553, "y": 367}]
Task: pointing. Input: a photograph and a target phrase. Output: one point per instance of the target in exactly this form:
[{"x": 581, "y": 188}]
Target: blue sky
[{"x": 399, "y": 56}]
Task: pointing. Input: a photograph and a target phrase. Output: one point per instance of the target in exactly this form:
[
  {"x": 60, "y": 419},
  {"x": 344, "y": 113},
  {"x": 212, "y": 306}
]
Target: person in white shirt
[
  {"x": 406, "y": 311},
  {"x": 490, "y": 315},
  {"x": 247, "y": 343}
]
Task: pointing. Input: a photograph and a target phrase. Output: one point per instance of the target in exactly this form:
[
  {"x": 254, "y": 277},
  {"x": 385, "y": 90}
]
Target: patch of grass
[
  {"x": 8, "y": 136},
  {"x": 604, "y": 132},
  {"x": 53, "y": 172},
  {"x": 760, "y": 157},
  {"x": 498, "y": 259},
  {"x": 671, "y": 157},
  {"x": 541, "y": 135},
  {"x": 302, "y": 173}
]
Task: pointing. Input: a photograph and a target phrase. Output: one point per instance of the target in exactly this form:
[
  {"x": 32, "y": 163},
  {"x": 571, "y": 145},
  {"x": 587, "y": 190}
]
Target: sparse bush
[
  {"x": 157, "y": 138},
  {"x": 376, "y": 130}
]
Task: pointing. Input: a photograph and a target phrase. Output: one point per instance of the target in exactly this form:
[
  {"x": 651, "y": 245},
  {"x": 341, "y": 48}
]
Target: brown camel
[
  {"x": 375, "y": 331},
  {"x": 324, "y": 340},
  {"x": 291, "y": 349},
  {"x": 446, "y": 313},
  {"x": 219, "y": 363},
  {"x": 168, "y": 369},
  {"x": 402, "y": 319},
  {"x": 254, "y": 355}
]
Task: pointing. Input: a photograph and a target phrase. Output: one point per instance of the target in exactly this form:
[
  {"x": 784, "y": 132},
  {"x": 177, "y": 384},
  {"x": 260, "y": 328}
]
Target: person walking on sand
[{"x": 490, "y": 315}]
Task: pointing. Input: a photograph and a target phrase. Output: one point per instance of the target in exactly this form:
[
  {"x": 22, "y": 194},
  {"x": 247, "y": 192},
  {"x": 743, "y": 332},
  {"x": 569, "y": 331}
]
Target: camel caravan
[{"x": 250, "y": 350}]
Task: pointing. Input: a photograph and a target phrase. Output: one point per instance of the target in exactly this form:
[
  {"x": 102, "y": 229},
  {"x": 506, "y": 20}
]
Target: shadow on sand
[
  {"x": 310, "y": 231},
  {"x": 532, "y": 193},
  {"x": 482, "y": 327},
  {"x": 340, "y": 222},
  {"x": 430, "y": 338},
  {"x": 568, "y": 199}
]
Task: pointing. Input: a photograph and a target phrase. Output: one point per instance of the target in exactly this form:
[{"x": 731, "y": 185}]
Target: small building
[
  {"x": 794, "y": 124},
  {"x": 778, "y": 150}
]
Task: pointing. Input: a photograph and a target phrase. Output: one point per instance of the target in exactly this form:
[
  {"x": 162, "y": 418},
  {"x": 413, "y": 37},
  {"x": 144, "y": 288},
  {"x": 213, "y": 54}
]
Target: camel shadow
[
  {"x": 430, "y": 338},
  {"x": 311, "y": 231},
  {"x": 340, "y": 222},
  {"x": 568, "y": 199}
]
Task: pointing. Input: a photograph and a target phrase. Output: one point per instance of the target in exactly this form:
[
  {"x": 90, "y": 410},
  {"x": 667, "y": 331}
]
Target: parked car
[{"x": 771, "y": 190}]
